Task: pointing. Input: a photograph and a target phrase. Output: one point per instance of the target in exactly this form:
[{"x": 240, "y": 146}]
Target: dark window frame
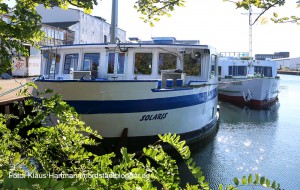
[
  {"x": 162, "y": 65},
  {"x": 237, "y": 70},
  {"x": 68, "y": 62},
  {"x": 142, "y": 67}
]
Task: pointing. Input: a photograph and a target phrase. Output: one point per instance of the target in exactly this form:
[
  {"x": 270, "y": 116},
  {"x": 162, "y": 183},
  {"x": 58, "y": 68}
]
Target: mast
[
  {"x": 250, "y": 29},
  {"x": 250, "y": 32},
  {"x": 114, "y": 22}
]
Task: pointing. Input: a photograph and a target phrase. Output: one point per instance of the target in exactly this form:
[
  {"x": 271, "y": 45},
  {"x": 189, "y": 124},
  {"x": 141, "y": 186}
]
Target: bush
[{"x": 53, "y": 156}]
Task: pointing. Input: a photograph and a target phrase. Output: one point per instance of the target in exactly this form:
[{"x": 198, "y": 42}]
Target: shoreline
[{"x": 288, "y": 72}]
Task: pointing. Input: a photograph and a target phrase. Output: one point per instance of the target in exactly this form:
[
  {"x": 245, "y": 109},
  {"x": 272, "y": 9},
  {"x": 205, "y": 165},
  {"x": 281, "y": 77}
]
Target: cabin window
[
  {"x": 238, "y": 70},
  {"x": 213, "y": 65},
  {"x": 265, "y": 71},
  {"x": 48, "y": 66},
  {"x": 121, "y": 61},
  {"x": 116, "y": 63},
  {"x": 91, "y": 61},
  {"x": 192, "y": 66},
  {"x": 111, "y": 63},
  {"x": 143, "y": 63},
  {"x": 166, "y": 61},
  {"x": 71, "y": 63},
  {"x": 52, "y": 63}
]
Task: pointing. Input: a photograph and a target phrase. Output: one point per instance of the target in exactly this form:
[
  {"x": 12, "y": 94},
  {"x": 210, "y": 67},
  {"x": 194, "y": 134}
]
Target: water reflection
[
  {"x": 240, "y": 147},
  {"x": 255, "y": 141},
  {"x": 233, "y": 114}
]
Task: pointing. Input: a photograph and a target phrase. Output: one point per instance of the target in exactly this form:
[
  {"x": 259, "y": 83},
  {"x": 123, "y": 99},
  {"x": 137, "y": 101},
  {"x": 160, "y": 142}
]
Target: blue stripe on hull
[{"x": 145, "y": 105}]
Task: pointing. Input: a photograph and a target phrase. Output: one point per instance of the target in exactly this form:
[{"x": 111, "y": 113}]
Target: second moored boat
[{"x": 244, "y": 81}]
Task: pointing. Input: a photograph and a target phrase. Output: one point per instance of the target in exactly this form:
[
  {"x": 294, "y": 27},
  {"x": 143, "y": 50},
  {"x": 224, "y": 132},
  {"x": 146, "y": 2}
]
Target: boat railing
[{"x": 234, "y": 56}]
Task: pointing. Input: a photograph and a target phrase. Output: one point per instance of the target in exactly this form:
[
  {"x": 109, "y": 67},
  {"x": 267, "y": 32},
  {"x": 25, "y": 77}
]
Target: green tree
[
  {"x": 266, "y": 5},
  {"x": 152, "y": 10},
  {"x": 21, "y": 24}
]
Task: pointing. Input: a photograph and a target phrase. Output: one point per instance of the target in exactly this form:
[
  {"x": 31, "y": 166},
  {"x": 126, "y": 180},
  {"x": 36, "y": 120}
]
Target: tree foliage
[
  {"x": 153, "y": 10},
  {"x": 265, "y": 6},
  {"x": 54, "y": 155},
  {"x": 21, "y": 24}
]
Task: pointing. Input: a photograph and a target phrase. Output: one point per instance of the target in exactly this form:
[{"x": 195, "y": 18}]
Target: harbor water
[{"x": 248, "y": 141}]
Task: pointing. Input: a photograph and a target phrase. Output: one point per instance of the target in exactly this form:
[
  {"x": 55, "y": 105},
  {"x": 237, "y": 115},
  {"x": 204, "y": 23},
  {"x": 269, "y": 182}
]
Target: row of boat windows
[
  {"x": 242, "y": 70},
  {"x": 116, "y": 63}
]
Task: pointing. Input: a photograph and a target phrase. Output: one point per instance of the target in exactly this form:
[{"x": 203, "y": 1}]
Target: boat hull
[
  {"x": 136, "y": 144},
  {"x": 258, "y": 93},
  {"x": 140, "y": 107}
]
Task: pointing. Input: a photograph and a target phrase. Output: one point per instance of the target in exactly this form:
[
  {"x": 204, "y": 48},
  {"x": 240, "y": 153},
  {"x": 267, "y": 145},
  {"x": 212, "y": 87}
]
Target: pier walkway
[{"x": 9, "y": 89}]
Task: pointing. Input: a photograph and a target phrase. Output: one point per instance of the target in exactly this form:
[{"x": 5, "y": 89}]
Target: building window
[
  {"x": 192, "y": 66},
  {"x": 166, "y": 61},
  {"x": 143, "y": 63},
  {"x": 238, "y": 70},
  {"x": 105, "y": 38},
  {"x": 71, "y": 63},
  {"x": 219, "y": 70}
]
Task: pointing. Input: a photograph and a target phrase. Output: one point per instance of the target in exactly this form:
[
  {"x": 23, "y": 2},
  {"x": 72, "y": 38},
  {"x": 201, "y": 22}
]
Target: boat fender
[
  {"x": 250, "y": 64},
  {"x": 268, "y": 95},
  {"x": 42, "y": 77},
  {"x": 178, "y": 71},
  {"x": 91, "y": 77},
  {"x": 247, "y": 97}
]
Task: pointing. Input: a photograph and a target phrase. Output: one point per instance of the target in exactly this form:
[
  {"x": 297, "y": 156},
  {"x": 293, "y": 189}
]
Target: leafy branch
[
  {"x": 250, "y": 181},
  {"x": 266, "y": 5},
  {"x": 152, "y": 10}
]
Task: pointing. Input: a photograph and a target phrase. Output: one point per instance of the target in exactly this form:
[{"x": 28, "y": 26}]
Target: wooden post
[{"x": 7, "y": 111}]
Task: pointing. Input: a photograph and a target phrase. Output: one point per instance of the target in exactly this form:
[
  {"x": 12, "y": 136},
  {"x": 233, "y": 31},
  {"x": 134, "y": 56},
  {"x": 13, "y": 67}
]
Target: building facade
[
  {"x": 288, "y": 63},
  {"x": 62, "y": 27},
  {"x": 57, "y": 35},
  {"x": 87, "y": 28},
  {"x": 276, "y": 55}
]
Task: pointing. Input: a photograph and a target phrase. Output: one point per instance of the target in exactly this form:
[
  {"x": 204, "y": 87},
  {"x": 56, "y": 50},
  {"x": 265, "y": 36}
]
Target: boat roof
[{"x": 141, "y": 44}]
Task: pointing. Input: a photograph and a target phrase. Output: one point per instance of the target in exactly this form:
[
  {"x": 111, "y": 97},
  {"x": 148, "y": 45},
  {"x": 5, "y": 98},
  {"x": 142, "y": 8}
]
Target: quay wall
[{"x": 289, "y": 72}]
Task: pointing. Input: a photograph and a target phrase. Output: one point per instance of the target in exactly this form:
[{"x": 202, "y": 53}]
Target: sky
[{"x": 214, "y": 23}]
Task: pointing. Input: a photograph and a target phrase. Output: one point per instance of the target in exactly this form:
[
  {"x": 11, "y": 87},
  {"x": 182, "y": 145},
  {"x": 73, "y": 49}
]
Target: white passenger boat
[
  {"x": 243, "y": 81},
  {"x": 145, "y": 88}
]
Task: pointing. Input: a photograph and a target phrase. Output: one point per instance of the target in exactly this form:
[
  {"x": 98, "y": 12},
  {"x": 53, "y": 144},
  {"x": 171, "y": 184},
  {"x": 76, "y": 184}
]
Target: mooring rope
[{"x": 11, "y": 90}]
